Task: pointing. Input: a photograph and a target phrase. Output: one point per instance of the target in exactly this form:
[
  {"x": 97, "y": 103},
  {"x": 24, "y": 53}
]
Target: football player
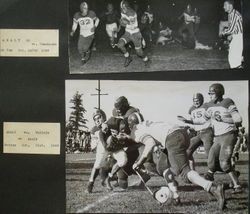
[
  {"x": 123, "y": 109},
  {"x": 225, "y": 120},
  {"x": 88, "y": 22},
  {"x": 132, "y": 34},
  {"x": 173, "y": 161},
  {"x": 186, "y": 30},
  {"x": 116, "y": 147},
  {"x": 99, "y": 118},
  {"x": 200, "y": 125},
  {"x": 111, "y": 19}
]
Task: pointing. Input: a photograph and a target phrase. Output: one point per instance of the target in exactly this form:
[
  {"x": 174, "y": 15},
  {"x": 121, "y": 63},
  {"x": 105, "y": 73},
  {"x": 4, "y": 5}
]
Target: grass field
[
  {"x": 167, "y": 58},
  {"x": 134, "y": 200}
]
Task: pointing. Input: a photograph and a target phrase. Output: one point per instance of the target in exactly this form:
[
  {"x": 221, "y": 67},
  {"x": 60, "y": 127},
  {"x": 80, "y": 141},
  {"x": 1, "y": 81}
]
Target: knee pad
[
  {"x": 168, "y": 175},
  {"x": 139, "y": 52},
  {"x": 225, "y": 166},
  {"x": 121, "y": 44}
]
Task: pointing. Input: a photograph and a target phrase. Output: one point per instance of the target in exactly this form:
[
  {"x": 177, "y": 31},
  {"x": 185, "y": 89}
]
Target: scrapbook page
[{"x": 132, "y": 106}]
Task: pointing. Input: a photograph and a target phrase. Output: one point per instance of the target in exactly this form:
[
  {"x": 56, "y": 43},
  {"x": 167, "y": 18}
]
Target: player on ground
[
  {"x": 235, "y": 29},
  {"x": 99, "y": 118},
  {"x": 225, "y": 120},
  {"x": 200, "y": 125},
  {"x": 111, "y": 19},
  {"x": 173, "y": 161},
  {"x": 132, "y": 34},
  {"x": 88, "y": 22}
]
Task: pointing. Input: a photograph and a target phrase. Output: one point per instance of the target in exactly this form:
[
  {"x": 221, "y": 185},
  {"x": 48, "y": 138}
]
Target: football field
[
  {"x": 170, "y": 57},
  {"x": 193, "y": 199}
]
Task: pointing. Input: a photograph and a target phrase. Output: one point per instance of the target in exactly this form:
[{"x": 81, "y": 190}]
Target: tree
[{"x": 76, "y": 119}]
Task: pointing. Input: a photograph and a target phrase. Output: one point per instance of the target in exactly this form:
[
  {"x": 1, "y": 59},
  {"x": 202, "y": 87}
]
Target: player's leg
[
  {"x": 213, "y": 158},
  {"x": 137, "y": 41},
  {"x": 122, "y": 46},
  {"x": 84, "y": 44},
  {"x": 228, "y": 143},
  {"x": 235, "y": 51},
  {"x": 207, "y": 137},
  {"x": 216, "y": 190},
  {"x": 121, "y": 158},
  {"x": 195, "y": 142}
]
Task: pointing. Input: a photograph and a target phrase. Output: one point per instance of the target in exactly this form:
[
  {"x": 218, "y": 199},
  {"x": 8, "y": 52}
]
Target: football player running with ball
[
  {"x": 132, "y": 34},
  {"x": 200, "y": 125},
  {"x": 173, "y": 160},
  {"x": 88, "y": 22},
  {"x": 225, "y": 120}
]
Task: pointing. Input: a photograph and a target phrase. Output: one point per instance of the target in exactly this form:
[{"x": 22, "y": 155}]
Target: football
[{"x": 163, "y": 195}]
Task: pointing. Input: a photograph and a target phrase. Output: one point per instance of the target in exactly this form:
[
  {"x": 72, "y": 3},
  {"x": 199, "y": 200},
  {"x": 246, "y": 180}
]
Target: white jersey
[
  {"x": 158, "y": 131},
  {"x": 132, "y": 26},
  {"x": 225, "y": 109},
  {"x": 86, "y": 23}
]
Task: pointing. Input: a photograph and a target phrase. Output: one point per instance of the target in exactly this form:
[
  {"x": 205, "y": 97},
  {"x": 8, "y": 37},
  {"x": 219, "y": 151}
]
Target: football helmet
[
  {"x": 217, "y": 90},
  {"x": 198, "y": 100},
  {"x": 101, "y": 113},
  {"x": 84, "y": 8},
  {"x": 124, "y": 6},
  {"x": 121, "y": 105},
  {"x": 134, "y": 119}
]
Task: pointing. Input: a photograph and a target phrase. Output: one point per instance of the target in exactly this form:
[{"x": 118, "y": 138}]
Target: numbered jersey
[
  {"x": 86, "y": 23},
  {"x": 224, "y": 109},
  {"x": 131, "y": 16},
  {"x": 198, "y": 116},
  {"x": 158, "y": 131}
]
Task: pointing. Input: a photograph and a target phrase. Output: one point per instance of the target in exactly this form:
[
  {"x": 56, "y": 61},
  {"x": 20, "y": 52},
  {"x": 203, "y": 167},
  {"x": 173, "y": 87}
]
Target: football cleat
[
  {"x": 90, "y": 187},
  {"x": 209, "y": 176},
  {"x": 219, "y": 194},
  {"x": 83, "y": 61},
  {"x": 237, "y": 190},
  {"x": 176, "y": 201},
  {"x": 147, "y": 63},
  {"x": 108, "y": 183},
  {"x": 127, "y": 61}
]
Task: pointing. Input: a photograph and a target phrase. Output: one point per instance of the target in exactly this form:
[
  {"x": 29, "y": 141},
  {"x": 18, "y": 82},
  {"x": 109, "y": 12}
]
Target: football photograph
[
  {"x": 113, "y": 36},
  {"x": 156, "y": 146}
]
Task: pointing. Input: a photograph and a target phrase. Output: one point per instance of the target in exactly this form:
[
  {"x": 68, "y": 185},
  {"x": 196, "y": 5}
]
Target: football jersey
[
  {"x": 131, "y": 16},
  {"x": 198, "y": 116},
  {"x": 86, "y": 23},
  {"x": 225, "y": 109},
  {"x": 188, "y": 17},
  {"x": 158, "y": 131},
  {"x": 111, "y": 17}
]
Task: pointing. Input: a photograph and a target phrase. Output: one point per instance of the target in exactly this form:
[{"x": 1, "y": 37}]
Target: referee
[{"x": 235, "y": 31}]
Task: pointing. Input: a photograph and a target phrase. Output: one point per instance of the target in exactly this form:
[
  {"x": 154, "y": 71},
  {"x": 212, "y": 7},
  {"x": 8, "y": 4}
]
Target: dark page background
[{"x": 32, "y": 90}]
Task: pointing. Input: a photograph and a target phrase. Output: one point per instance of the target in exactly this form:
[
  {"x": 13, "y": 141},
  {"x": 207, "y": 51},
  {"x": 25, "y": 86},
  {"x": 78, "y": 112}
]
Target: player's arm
[
  {"x": 149, "y": 144},
  {"x": 233, "y": 22},
  {"x": 198, "y": 127},
  {"x": 74, "y": 26},
  {"x": 183, "y": 119},
  {"x": 97, "y": 21},
  {"x": 234, "y": 118}
]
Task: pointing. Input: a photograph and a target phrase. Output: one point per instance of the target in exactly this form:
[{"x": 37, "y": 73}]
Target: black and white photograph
[
  {"x": 110, "y": 36},
  {"x": 156, "y": 146}
]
